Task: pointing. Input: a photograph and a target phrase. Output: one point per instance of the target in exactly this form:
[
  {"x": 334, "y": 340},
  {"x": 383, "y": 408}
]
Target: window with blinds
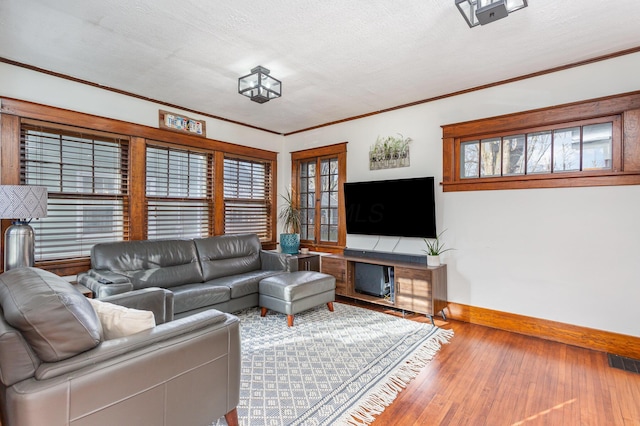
[
  {"x": 86, "y": 175},
  {"x": 247, "y": 197},
  {"x": 179, "y": 193}
]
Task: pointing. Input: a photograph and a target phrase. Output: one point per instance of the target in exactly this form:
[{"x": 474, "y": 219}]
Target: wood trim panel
[
  {"x": 9, "y": 163},
  {"x": 14, "y": 112},
  {"x": 631, "y": 133},
  {"x": 51, "y": 114},
  {"x": 137, "y": 195},
  {"x": 584, "y": 337},
  {"x": 576, "y": 111},
  {"x": 622, "y": 110},
  {"x": 218, "y": 202},
  {"x": 319, "y": 152},
  {"x": 338, "y": 150}
]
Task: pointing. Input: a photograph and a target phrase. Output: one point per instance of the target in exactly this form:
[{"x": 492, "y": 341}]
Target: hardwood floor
[{"x": 486, "y": 376}]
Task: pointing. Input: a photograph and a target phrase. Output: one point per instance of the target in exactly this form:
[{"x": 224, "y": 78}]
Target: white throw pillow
[{"x": 118, "y": 321}]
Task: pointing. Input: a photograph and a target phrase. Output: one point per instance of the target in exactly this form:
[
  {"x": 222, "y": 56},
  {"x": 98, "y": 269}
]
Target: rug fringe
[{"x": 385, "y": 393}]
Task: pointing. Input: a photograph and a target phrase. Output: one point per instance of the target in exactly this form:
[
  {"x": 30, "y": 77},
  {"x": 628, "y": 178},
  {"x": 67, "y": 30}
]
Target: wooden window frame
[
  {"x": 184, "y": 199},
  {"x": 623, "y": 110},
  {"x": 13, "y": 112},
  {"x": 267, "y": 202},
  {"x": 338, "y": 151},
  {"x": 70, "y": 193}
]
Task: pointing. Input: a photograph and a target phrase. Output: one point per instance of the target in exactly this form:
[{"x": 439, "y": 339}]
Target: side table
[{"x": 308, "y": 262}]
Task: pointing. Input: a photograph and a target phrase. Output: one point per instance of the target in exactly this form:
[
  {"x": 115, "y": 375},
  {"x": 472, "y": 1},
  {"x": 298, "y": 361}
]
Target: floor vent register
[{"x": 626, "y": 364}]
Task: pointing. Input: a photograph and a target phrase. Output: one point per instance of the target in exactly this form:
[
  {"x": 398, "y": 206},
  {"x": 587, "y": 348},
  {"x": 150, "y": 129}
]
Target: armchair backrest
[{"x": 44, "y": 319}]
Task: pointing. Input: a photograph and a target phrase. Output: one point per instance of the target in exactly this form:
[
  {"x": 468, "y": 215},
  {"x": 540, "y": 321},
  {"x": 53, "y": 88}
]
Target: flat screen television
[{"x": 400, "y": 207}]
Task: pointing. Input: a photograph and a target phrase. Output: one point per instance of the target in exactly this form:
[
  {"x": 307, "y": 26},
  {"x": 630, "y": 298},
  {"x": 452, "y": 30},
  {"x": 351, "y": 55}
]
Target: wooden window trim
[
  {"x": 338, "y": 150},
  {"x": 14, "y": 111},
  {"x": 626, "y": 144}
]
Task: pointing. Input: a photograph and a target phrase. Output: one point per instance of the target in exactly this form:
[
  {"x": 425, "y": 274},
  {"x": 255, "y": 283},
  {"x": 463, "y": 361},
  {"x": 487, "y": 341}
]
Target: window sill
[{"x": 555, "y": 181}]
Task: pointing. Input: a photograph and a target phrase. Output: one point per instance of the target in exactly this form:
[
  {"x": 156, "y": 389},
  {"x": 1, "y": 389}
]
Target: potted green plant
[
  {"x": 290, "y": 218},
  {"x": 435, "y": 247}
]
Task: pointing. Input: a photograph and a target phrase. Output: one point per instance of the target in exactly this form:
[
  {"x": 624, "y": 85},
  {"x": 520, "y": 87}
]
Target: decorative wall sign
[
  {"x": 389, "y": 152},
  {"x": 182, "y": 124}
]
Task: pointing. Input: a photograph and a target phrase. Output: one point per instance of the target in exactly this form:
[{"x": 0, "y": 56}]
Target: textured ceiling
[{"x": 336, "y": 59}]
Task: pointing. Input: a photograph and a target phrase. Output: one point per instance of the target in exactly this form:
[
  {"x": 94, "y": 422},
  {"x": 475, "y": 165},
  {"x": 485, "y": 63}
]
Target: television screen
[{"x": 401, "y": 207}]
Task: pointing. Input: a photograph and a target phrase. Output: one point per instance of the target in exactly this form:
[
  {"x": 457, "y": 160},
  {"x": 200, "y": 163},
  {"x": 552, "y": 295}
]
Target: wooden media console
[{"x": 416, "y": 287}]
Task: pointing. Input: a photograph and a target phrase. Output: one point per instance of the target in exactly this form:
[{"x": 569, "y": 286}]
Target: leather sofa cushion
[
  {"x": 160, "y": 263},
  {"x": 244, "y": 284},
  {"x": 55, "y": 319},
  {"x": 226, "y": 255},
  {"x": 194, "y": 296}
]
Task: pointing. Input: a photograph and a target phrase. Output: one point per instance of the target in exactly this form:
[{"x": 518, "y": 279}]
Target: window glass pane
[
  {"x": 247, "y": 195},
  {"x": 177, "y": 219},
  {"x": 469, "y": 165},
  {"x": 539, "y": 152},
  {"x": 178, "y": 193},
  {"x": 328, "y": 196},
  {"x": 566, "y": 149},
  {"x": 86, "y": 179},
  {"x": 307, "y": 199},
  {"x": 490, "y": 151},
  {"x": 596, "y": 146},
  {"x": 173, "y": 173},
  {"x": 513, "y": 155}
]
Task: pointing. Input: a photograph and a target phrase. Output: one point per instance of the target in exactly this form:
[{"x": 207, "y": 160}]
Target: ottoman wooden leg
[
  {"x": 330, "y": 306},
  {"x": 263, "y": 312},
  {"x": 290, "y": 320}
]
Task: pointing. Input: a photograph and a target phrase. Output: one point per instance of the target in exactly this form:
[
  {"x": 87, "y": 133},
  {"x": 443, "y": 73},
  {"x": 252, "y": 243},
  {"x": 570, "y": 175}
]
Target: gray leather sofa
[
  {"x": 56, "y": 368},
  {"x": 220, "y": 272}
]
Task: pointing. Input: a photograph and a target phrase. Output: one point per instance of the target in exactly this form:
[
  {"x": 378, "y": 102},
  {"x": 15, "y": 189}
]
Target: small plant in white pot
[{"x": 435, "y": 247}]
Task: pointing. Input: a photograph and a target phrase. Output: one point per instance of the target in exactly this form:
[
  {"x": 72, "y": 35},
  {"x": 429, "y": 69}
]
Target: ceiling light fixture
[
  {"x": 485, "y": 11},
  {"x": 259, "y": 86}
]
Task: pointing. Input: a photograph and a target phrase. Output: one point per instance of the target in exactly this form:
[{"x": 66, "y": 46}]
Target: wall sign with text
[{"x": 182, "y": 124}]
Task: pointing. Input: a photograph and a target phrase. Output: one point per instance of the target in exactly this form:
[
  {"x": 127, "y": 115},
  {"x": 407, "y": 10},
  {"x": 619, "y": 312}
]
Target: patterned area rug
[{"x": 330, "y": 368}]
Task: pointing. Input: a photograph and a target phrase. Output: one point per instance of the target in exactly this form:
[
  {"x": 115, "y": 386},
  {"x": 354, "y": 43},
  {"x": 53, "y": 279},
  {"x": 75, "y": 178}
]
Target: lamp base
[{"x": 19, "y": 243}]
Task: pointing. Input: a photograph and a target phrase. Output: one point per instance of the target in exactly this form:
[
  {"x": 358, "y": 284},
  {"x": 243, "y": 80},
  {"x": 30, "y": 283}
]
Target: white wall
[
  {"x": 535, "y": 252},
  {"x": 570, "y": 255},
  {"x": 26, "y": 85}
]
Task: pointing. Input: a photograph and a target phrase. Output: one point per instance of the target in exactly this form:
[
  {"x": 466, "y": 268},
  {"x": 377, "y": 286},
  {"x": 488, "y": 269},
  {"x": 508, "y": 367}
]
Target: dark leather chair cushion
[
  {"x": 160, "y": 263},
  {"x": 194, "y": 296},
  {"x": 226, "y": 255},
  {"x": 54, "y": 318}
]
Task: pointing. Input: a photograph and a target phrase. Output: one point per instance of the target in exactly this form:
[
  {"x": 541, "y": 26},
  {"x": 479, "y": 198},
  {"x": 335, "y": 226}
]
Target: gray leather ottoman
[{"x": 295, "y": 292}]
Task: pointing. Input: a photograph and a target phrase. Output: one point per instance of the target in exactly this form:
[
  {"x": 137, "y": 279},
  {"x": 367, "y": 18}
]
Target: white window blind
[
  {"x": 247, "y": 197},
  {"x": 87, "y": 180},
  {"x": 179, "y": 194}
]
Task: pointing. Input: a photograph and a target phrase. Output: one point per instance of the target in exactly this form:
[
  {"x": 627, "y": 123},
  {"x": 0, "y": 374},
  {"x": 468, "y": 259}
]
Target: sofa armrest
[
  {"x": 139, "y": 344},
  {"x": 154, "y": 299},
  {"x": 104, "y": 283},
  {"x": 275, "y": 261}
]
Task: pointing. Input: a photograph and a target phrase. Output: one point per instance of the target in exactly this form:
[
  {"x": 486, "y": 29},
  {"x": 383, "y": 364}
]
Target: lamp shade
[{"x": 23, "y": 202}]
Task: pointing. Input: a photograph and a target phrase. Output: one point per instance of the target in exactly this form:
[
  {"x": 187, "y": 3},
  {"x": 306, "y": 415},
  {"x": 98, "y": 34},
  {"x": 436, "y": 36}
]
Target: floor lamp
[{"x": 21, "y": 203}]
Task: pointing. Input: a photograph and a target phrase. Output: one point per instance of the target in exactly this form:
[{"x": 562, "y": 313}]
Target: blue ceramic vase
[{"x": 289, "y": 243}]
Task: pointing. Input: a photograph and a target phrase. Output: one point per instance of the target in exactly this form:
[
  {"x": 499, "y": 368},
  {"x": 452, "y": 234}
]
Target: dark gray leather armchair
[{"x": 56, "y": 369}]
